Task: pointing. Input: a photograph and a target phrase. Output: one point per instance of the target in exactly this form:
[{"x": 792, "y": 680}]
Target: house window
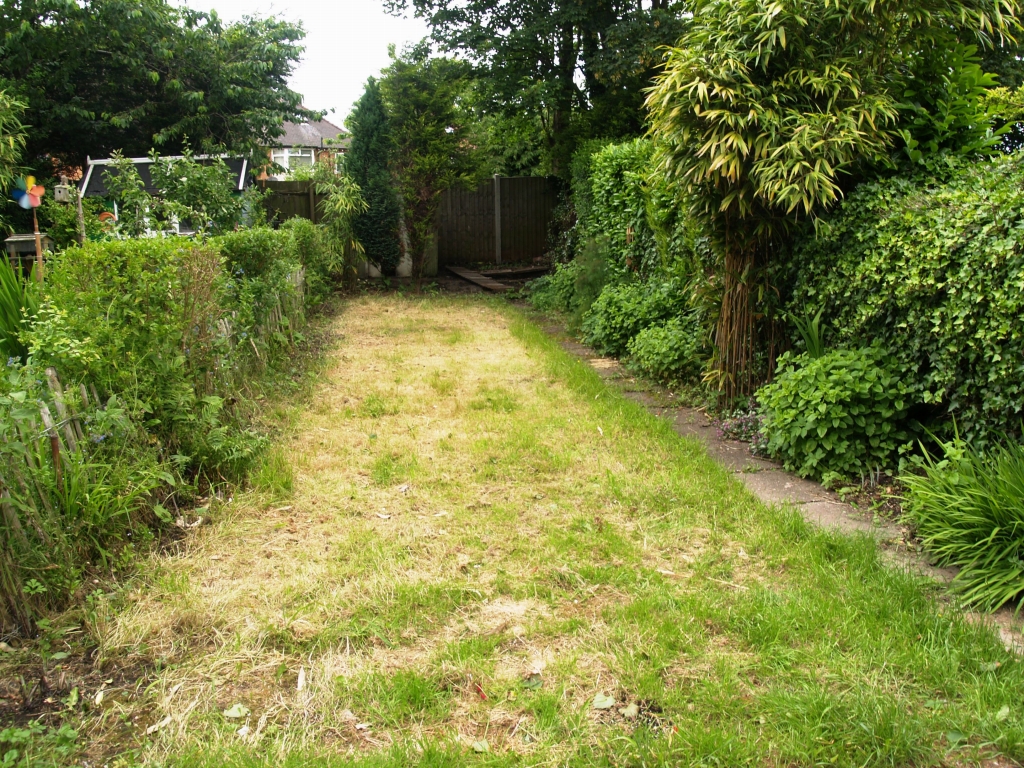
[{"x": 291, "y": 158}]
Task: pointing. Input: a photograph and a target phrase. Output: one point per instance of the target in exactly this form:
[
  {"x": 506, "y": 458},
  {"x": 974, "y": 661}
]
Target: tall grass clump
[
  {"x": 969, "y": 511},
  {"x": 18, "y": 302}
]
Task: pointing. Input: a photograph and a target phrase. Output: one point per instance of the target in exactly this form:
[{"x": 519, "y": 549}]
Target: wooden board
[
  {"x": 516, "y": 273},
  {"x": 487, "y": 283}
]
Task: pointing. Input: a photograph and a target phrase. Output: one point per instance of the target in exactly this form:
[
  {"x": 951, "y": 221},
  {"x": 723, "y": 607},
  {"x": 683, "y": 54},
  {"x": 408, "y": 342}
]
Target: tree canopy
[
  {"x": 765, "y": 106},
  {"x": 556, "y": 70},
  {"x": 134, "y": 75}
]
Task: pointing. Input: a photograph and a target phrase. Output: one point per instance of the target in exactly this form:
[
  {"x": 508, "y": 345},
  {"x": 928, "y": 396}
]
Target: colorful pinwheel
[{"x": 27, "y": 193}]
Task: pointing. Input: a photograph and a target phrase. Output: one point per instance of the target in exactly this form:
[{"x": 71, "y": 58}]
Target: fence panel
[
  {"x": 468, "y": 221},
  {"x": 291, "y": 200}
]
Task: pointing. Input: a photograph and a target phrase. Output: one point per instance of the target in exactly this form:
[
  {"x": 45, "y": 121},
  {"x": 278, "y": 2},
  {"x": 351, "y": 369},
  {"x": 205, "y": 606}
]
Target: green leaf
[{"x": 236, "y": 711}]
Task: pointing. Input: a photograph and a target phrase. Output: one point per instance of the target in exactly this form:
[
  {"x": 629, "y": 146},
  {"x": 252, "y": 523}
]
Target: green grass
[{"x": 554, "y": 526}]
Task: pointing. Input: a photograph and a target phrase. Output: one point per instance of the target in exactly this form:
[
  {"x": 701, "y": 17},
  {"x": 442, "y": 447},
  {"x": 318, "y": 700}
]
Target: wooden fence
[
  {"x": 291, "y": 200},
  {"x": 503, "y": 221}
]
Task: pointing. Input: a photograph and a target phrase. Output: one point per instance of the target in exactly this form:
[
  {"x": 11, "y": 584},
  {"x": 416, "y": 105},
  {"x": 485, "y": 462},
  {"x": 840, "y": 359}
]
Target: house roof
[
  {"x": 311, "y": 133},
  {"x": 93, "y": 184}
]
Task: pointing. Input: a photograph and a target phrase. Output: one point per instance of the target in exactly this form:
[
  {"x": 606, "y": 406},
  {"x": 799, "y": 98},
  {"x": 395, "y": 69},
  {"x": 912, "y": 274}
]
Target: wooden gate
[{"x": 503, "y": 221}]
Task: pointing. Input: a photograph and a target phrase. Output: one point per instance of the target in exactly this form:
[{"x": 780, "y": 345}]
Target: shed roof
[{"x": 93, "y": 185}]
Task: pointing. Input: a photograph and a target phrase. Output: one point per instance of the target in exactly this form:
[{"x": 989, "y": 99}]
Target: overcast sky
[{"x": 346, "y": 42}]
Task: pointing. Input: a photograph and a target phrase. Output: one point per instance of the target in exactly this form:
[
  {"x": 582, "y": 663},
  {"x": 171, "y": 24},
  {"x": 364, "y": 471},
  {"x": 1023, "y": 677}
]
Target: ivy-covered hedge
[
  {"x": 158, "y": 341},
  {"x": 933, "y": 270},
  {"x": 618, "y": 207}
]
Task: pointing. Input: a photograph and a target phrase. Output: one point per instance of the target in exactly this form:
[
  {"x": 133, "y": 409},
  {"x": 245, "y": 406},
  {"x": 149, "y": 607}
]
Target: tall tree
[
  {"x": 766, "y": 105},
  {"x": 575, "y": 68},
  {"x": 428, "y": 126},
  {"x": 100, "y": 75},
  {"x": 368, "y": 160}
]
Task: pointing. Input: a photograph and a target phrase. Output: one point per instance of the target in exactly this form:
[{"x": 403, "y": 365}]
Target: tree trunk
[{"x": 734, "y": 336}]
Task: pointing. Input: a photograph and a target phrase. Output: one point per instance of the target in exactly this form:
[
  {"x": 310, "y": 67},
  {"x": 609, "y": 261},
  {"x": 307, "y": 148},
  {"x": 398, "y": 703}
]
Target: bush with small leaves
[
  {"x": 624, "y": 310},
  {"x": 670, "y": 351}
]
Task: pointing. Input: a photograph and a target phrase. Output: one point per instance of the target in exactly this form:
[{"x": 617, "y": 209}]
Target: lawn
[{"x": 467, "y": 550}]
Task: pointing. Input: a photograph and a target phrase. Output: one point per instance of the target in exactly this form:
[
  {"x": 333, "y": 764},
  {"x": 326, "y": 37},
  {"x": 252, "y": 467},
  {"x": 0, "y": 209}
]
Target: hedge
[{"x": 933, "y": 270}]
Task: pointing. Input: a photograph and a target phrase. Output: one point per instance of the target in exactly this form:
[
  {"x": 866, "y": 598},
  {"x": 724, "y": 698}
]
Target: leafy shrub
[
  {"x": 573, "y": 287},
  {"x": 200, "y": 191},
  {"x": 624, "y": 310},
  {"x": 555, "y": 292},
  {"x": 310, "y": 248},
  {"x": 162, "y": 325},
  {"x": 669, "y": 351},
  {"x": 932, "y": 271},
  {"x": 837, "y": 416},
  {"x": 969, "y": 511},
  {"x": 60, "y": 220},
  {"x": 251, "y": 252}
]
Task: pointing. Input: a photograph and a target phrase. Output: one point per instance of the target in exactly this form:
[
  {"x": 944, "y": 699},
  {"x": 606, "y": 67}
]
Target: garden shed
[{"x": 93, "y": 184}]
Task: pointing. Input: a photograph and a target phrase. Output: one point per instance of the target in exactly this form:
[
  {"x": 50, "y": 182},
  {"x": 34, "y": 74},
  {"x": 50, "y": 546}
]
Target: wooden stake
[
  {"x": 39, "y": 247},
  {"x": 51, "y": 431},
  {"x": 62, "y": 410},
  {"x": 81, "y": 216}
]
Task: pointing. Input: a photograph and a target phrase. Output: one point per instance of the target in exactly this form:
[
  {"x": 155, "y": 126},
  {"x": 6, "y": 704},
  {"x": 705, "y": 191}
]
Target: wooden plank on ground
[
  {"x": 516, "y": 272},
  {"x": 477, "y": 279}
]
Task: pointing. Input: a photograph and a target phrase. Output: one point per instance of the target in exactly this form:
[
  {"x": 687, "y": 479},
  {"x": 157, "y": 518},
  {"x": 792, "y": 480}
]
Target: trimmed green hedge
[{"x": 934, "y": 271}]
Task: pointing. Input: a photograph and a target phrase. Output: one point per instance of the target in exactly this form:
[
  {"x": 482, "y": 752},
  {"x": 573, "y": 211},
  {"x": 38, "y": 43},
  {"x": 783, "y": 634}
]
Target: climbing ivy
[{"x": 934, "y": 271}]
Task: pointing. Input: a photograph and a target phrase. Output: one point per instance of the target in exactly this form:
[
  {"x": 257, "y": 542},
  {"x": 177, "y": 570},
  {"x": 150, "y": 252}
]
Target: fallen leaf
[
  {"x": 243, "y": 731},
  {"x": 59, "y": 656},
  {"x": 601, "y": 701},
  {"x": 236, "y": 711},
  {"x": 666, "y": 572},
  {"x": 302, "y": 679},
  {"x": 157, "y": 726},
  {"x": 955, "y": 737},
  {"x": 631, "y": 712},
  {"x": 533, "y": 682},
  {"x": 1002, "y": 714},
  {"x": 481, "y": 746},
  {"x": 98, "y": 698},
  {"x": 215, "y": 557}
]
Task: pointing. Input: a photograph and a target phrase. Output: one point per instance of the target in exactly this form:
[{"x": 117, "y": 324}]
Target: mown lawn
[{"x": 467, "y": 550}]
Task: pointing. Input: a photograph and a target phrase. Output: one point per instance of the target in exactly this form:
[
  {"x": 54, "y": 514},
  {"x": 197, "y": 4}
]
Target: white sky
[{"x": 346, "y": 42}]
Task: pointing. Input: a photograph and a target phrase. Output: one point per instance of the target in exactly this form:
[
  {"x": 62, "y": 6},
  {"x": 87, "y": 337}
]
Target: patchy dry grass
[{"x": 466, "y": 539}]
